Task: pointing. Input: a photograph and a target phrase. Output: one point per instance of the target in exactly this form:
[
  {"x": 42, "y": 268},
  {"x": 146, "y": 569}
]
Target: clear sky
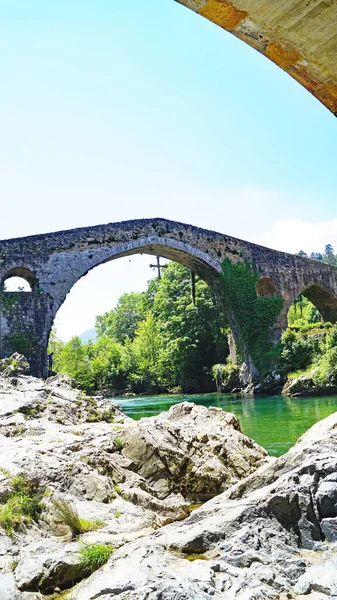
[{"x": 118, "y": 110}]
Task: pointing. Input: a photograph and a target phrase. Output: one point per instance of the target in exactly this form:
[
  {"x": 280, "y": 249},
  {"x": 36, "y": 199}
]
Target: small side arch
[
  {"x": 21, "y": 273},
  {"x": 266, "y": 288}
]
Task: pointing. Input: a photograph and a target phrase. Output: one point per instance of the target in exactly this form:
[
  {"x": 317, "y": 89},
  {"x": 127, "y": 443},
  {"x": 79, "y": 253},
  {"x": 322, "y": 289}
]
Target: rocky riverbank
[{"x": 82, "y": 485}]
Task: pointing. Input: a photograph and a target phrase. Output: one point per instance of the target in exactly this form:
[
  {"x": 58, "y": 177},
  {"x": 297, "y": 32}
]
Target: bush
[
  {"x": 226, "y": 376},
  {"x": 67, "y": 514},
  {"x": 94, "y": 556},
  {"x": 297, "y": 352}
]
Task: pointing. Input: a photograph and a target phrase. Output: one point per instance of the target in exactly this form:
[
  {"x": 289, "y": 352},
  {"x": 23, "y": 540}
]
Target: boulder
[
  {"x": 46, "y": 565},
  {"x": 304, "y": 385},
  {"x": 8, "y": 588},
  {"x": 14, "y": 365},
  {"x": 192, "y": 450}
]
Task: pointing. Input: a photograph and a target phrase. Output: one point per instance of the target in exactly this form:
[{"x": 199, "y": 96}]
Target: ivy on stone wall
[
  {"x": 24, "y": 343},
  {"x": 254, "y": 315},
  {"x": 8, "y": 299}
]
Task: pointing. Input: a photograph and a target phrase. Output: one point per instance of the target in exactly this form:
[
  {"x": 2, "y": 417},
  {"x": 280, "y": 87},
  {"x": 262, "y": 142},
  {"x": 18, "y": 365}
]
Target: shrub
[
  {"x": 67, "y": 514},
  {"x": 94, "y": 556},
  {"x": 12, "y": 516},
  {"x": 297, "y": 352},
  {"x": 226, "y": 376}
]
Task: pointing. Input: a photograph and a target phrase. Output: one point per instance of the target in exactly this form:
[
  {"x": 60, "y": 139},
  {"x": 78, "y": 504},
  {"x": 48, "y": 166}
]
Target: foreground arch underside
[{"x": 300, "y": 37}]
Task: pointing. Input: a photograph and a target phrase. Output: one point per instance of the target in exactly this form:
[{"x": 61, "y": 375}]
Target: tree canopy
[{"x": 152, "y": 341}]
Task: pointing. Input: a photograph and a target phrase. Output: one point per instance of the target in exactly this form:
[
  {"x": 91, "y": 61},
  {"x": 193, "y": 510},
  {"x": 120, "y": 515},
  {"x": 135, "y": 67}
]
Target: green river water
[{"x": 274, "y": 422}]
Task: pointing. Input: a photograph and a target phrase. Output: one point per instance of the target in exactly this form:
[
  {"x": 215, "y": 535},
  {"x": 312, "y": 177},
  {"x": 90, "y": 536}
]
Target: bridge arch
[
  {"x": 179, "y": 251},
  {"x": 198, "y": 261},
  {"x": 81, "y": 263},
  {"x": 323, "y": 300},
  {"x": 266, "y": 288},
  {"x": 21, "y": 273}
]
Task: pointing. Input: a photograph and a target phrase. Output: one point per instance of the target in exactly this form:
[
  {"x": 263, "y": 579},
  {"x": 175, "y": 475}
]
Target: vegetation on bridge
[{"x": 254, "y": 315}]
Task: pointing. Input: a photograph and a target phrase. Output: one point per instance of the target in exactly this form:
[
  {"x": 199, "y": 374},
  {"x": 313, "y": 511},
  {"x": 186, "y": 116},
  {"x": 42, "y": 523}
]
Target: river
[{"x": 274, "y": 422}]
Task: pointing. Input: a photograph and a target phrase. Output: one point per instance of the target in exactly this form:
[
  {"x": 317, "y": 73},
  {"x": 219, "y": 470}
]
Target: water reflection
[{"x": 275, "y": 422}]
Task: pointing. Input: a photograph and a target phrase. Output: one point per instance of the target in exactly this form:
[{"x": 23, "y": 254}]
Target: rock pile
[
  {"x": 272, "y": 535},
  {"x": 122, "y": 480},
  {"x": 95, "y": 505}
]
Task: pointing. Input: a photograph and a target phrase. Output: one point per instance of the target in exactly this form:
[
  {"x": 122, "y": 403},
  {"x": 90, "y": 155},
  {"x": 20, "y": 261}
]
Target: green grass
[
  {"x": 94, "y": 556},
  {"x": 67, "y": 514},
  {"x": 5, "y": 472},
  {"x": 13, "y": 565},
  {"x": 307, "y": 372},
  {"x": 22, "y": 506},
  {"x": 118, "y": 443}
]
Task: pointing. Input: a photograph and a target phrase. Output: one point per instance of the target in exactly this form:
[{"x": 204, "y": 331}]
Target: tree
[
  {"x": 149, "y": 352},
  {"x": 73, "y": 360},
  {"x": 329, "y": 257},
  {"x": 152, "y": 341},
  {"x": 123, "y": 320},
  {"x": 195, "y": 336}
]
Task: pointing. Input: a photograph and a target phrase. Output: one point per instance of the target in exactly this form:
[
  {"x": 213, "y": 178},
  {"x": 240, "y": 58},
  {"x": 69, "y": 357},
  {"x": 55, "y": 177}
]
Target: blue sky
[{"x": 113, "y": 110}]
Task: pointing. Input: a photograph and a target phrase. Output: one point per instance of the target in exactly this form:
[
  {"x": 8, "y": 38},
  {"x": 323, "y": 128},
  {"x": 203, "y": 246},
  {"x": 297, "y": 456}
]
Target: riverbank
[{"x": 95, "y": 504}]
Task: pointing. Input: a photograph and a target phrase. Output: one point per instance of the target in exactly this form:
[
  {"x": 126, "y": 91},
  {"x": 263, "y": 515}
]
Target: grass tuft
[
  {"x": 94, "y": 556},
  {"x": 118, "y": 443},
  {"x": 67, "y": 514},
  {"x": 22, "y": 506}
]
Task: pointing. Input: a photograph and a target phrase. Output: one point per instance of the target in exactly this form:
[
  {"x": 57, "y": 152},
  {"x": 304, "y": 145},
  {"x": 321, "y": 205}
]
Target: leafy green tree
[
  {"x": 122, "y": 321},
  {"x": 303, "y": 313},
  {"x": 329, "y": 257},
  {"x": 73, "y": 360},
  {"x": 195, "y": 336},
  {"x": 149, "y": 352},
  {"x": 152, "y": 341},
  {"x": 297, "y": 352}
]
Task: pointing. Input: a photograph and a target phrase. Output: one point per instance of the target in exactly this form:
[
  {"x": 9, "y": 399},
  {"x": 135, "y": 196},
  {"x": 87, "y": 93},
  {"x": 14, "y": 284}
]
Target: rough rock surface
[
  {"x": 270, "y": 534},
  {"x": 262, "y": 538},
  {"x": 133, "y": 477},
  {"x": 193, "y": 450}
]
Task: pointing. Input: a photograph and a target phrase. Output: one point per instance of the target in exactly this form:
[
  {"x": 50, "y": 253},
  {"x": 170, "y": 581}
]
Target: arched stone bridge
[{"x": 54, "y": 262}]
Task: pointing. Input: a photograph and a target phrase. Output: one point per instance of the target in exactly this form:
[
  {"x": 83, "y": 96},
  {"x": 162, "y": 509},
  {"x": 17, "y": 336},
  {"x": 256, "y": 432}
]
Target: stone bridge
[{"x": 54, "y": 262}]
